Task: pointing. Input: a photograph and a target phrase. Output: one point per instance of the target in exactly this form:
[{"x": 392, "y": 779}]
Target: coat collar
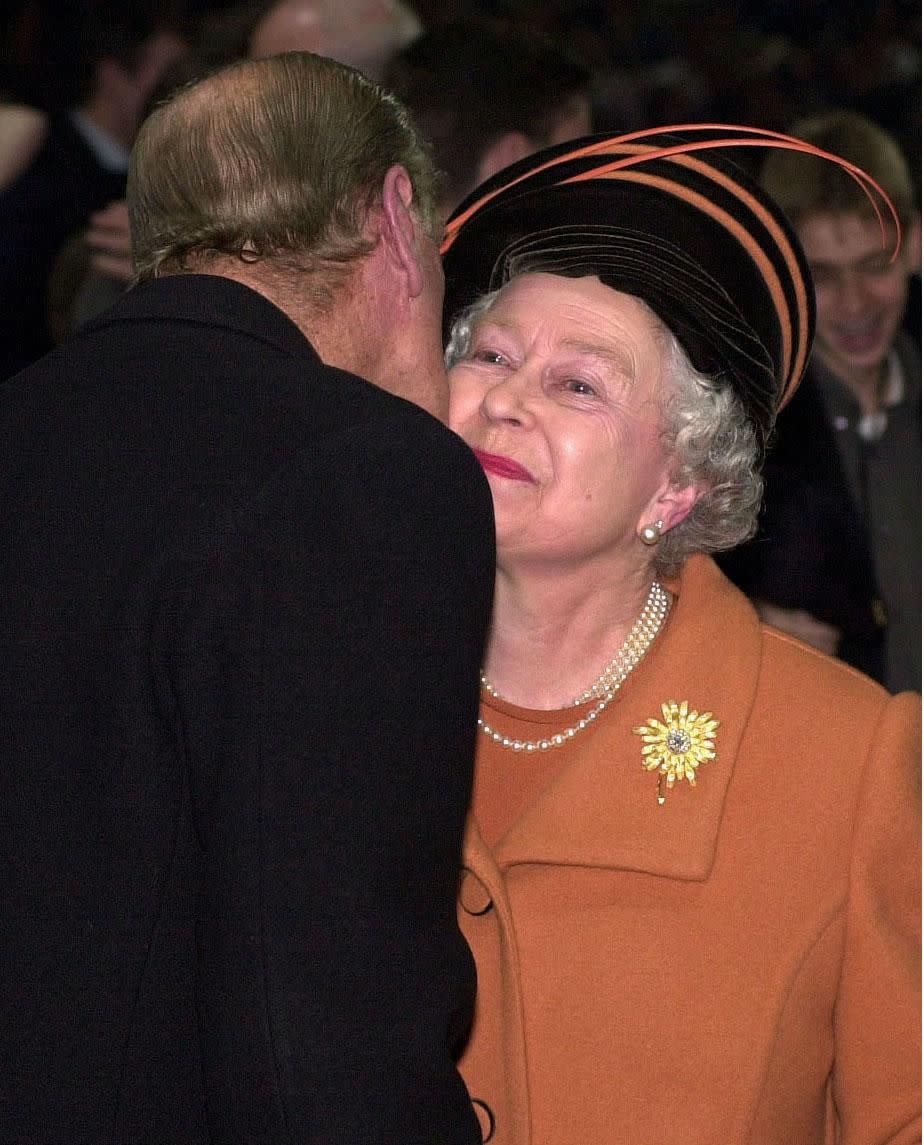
[
  {"x": 603, "y": 811},
  {"x": 211, "y": 300}
]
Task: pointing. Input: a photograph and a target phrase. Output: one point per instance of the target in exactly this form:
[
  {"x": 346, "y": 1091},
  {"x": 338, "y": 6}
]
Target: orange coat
[{"x": 739, "y": 965}]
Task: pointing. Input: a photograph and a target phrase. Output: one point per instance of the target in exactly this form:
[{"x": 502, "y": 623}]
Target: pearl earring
[{"x": 651, "y": 534}]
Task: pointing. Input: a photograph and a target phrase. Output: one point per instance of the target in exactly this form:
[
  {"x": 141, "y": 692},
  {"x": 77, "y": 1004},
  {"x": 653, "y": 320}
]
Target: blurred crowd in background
[{"x": 766, "y": 63}]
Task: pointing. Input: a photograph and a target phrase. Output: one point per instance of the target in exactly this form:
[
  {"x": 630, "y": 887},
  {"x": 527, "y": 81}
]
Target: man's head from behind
[
  {"x": 861, "y": 294},
  {"x": 300, "y": 177},
  {"x": 486, "y": 94},
  {"x": 276, "y": 159}
]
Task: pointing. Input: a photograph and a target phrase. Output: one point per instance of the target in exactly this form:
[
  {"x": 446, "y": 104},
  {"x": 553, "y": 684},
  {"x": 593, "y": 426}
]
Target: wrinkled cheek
[
  {"x": 460, "y": 413},
  {"x": 461, "y": 429}
]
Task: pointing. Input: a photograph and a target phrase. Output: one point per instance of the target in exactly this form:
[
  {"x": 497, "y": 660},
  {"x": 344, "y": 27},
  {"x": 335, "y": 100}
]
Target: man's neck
[
  {"x": 866, "y": 386},
  {"x": 360, "y": 331}
]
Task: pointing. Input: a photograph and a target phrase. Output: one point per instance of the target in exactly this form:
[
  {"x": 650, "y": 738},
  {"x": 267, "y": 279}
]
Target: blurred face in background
[
  {"x": 126, "y": 91},
  {"x": 860, "y": 293},
  {"x": 573, "y": 121},
  {"x": 361, "y": 33}
]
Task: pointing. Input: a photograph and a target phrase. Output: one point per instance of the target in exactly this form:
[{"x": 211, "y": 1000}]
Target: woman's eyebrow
[
  {"x": 616, "y": 356},
  {"x": 492, "y": 325}
]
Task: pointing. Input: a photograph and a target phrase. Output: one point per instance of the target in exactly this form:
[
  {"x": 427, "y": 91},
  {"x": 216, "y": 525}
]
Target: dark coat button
[
  {"x": 486, "y": 1119},
  {"x": 473, "y": 894}
]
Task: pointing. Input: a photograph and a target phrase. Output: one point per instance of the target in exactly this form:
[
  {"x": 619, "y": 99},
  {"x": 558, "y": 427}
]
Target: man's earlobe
[{"x": 400, "y": 227}]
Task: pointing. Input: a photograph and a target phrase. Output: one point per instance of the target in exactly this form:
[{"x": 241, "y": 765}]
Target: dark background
[{"x": 661, "y": 61}]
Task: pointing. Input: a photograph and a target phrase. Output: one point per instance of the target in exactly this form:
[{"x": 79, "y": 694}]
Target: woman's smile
[{"x": 504, "y": 467}]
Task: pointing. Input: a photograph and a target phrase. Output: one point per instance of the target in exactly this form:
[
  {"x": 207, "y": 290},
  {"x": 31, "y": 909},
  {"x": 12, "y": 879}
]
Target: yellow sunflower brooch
[{"x": 676, "y": 747}]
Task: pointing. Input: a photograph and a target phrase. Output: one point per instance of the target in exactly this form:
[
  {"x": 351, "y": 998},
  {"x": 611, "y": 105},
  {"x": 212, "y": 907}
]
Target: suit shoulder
[
  {"x": 415, "y": 460},
  {"x": 414, "y": 442}
]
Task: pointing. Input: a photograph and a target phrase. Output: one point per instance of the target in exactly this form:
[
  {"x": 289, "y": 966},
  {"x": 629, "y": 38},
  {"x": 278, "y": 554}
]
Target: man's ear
[
  {"x": 399, "y": 228},
  {"x": 506, "y": 149}
]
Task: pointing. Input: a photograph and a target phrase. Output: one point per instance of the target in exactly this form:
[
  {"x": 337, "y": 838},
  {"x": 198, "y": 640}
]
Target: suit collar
[
  {"x": 211, "y": 300},
  {"x": 902, "y": 387},
  {"x": 603, "y": 811}
]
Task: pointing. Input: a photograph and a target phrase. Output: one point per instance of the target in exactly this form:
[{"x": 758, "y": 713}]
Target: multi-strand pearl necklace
[{"x": 606, "y": 685}]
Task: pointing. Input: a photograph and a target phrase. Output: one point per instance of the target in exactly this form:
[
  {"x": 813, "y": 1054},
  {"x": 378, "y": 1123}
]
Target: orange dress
[{"x": 739, "y": 965}]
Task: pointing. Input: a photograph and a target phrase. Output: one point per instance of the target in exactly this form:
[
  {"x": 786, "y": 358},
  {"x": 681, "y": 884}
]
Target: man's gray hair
[{"x": 279, "y": 159}]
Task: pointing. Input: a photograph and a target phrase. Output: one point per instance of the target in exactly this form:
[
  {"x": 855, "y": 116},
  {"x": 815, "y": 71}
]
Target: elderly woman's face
[{"x": 559, "y": 397}]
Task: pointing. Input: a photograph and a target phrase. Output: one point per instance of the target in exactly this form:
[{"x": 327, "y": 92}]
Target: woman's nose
[{"x": 508, "y": 400}]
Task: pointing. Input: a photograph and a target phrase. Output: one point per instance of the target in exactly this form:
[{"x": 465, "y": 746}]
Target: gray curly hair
[{"x": 707, "y": 434}]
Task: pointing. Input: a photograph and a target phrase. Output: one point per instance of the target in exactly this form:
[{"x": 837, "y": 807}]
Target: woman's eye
[
  {"x": 580, "y": 387},
  {"x": 491, "y": 357}
]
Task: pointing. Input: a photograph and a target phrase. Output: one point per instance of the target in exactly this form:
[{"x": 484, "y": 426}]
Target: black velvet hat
[{"x": 666, "y": 216}]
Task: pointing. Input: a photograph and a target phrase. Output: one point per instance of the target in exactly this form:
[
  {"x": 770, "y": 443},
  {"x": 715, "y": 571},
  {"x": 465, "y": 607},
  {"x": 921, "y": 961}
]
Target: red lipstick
[{"x": 503, "y": 467}]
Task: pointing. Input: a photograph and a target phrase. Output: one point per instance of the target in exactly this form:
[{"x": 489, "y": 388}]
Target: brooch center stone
[{"x": 678, "y": 740}]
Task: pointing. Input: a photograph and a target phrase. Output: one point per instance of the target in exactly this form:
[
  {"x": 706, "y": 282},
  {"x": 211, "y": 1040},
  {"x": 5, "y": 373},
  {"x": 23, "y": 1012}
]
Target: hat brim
[{"x": 689, "y": 234}]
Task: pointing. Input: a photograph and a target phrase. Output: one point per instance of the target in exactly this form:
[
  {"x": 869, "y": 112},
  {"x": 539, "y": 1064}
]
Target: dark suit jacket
[
  {"x": 812, "y": 550},
  {"x": 242, "y": 603},
  {"x": 840, "y": 529}
]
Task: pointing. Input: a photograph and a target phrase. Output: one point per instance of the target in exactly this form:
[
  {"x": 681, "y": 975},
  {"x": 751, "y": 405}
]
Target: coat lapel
[{"x": 603, "y": 811}]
